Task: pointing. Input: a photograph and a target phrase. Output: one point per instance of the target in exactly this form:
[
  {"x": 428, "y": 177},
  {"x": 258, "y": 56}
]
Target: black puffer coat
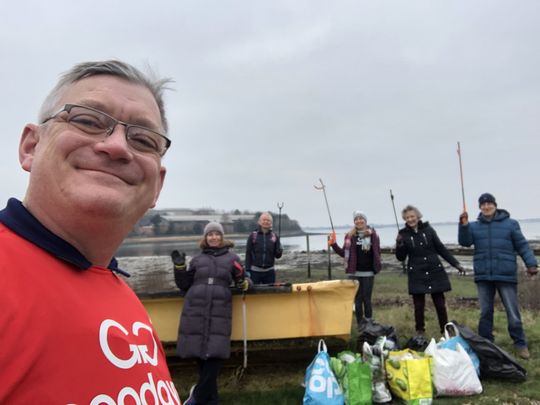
[
  {"x": 206, "y": 321},
  {"x": 424, "y": 269}
]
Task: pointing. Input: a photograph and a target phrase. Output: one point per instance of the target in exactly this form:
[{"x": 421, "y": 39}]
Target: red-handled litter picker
[{"x": 323, "y": 188}]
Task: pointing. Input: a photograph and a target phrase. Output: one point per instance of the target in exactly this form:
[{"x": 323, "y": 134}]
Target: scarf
[{"x": 364, "y": 241}]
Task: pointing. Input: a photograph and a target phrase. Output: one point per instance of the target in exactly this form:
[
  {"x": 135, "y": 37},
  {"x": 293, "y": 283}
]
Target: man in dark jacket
[
  {"x": 497, "y": 240},
  {"x": 262, "y": 248}
]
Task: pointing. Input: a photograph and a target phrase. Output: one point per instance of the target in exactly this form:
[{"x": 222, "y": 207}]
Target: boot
[{"x": 524, "y": 353}]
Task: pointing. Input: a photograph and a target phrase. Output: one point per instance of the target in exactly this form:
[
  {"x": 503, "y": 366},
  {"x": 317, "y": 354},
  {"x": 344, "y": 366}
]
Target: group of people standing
[
  {"x": 497, "y": 240},
  {"x": 204, "y": 331}
]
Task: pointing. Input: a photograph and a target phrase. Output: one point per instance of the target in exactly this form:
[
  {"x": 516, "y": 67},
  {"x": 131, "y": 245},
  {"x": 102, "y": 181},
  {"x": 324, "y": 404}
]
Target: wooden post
[{"x": 308, "y": 257}]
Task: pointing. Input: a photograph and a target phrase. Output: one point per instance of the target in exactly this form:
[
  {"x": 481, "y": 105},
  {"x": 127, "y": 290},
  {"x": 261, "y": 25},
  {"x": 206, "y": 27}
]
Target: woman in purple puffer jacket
[{"x": 206, "y": 322}]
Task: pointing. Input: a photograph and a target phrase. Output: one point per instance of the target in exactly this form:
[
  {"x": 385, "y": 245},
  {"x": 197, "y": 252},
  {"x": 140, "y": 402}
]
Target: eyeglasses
[{"x": 95, "y": 122}]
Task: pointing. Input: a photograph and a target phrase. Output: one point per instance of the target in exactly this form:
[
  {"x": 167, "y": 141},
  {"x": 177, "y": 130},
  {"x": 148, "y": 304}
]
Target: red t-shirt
[{"x": 70, "y": 336}]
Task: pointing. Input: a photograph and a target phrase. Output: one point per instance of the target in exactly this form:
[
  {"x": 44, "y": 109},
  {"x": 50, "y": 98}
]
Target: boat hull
[{"x": 316, "y": 309}]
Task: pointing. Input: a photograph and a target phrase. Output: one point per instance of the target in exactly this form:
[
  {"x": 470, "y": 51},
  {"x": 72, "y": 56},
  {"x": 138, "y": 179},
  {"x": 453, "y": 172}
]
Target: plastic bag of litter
[
  {"x": 453, "y": 371},
  {"x": 375, "y": 355},
  {"x": 494, "y": 361}
]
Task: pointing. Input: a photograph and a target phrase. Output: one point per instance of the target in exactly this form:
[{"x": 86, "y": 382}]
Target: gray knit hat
[
  {"x": 213, "y": 226},
  {"x": 360, "y": 214}
]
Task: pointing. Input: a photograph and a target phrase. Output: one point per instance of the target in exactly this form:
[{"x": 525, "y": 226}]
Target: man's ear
[{"x": 27, "y": 146}]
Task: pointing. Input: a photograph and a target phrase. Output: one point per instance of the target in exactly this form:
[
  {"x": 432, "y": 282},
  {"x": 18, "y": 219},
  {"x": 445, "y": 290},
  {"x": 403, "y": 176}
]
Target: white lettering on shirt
[{"x": 139, "y": 352}]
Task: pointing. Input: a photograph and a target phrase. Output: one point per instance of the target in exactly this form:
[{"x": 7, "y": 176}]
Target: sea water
[
  {"x": 317, "y": 240},
  {"x": 448, "y": 234}
]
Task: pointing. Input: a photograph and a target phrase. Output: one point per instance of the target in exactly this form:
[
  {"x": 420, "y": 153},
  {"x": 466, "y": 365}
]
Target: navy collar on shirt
[{"x": 17, "y": 218}]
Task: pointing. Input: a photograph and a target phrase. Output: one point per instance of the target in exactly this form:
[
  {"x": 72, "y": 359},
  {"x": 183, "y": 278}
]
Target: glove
[
  {"x": 244, "y": 285},
  {"x": 461, "y": 270},
  {"x": 531, "y": 271},
  {"x": 179, "y": 260},
  {"x": 399, "y": 240},
  {"x": 464, "y": 218},
  {"x": 332, "y": 238}
]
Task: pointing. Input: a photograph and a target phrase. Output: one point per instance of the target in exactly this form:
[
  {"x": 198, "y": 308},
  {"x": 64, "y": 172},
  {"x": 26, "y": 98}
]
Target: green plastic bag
[{"x": 358, "y": 382}]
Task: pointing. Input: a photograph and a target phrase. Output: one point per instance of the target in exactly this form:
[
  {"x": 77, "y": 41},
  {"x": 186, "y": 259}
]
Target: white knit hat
[
  {"x": 360, "y": 214},
  {"x": 213, "y": 226}
]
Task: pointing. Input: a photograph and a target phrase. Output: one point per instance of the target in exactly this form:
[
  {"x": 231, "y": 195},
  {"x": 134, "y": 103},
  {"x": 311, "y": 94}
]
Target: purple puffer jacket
[{"x": 206, "y": 321}]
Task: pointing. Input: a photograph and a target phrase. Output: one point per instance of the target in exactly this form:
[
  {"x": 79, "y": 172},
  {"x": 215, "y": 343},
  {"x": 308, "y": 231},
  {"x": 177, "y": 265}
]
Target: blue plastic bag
[
  {"x": 450, "y": 342},
  {"x": 322, "y": 387}
]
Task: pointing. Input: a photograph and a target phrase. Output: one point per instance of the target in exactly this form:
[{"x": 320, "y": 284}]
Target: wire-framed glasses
[{"x": 95, "y": 122}]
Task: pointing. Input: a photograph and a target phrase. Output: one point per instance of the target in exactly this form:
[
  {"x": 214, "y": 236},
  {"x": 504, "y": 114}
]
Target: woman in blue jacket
[{"x": 497, "y": 240}]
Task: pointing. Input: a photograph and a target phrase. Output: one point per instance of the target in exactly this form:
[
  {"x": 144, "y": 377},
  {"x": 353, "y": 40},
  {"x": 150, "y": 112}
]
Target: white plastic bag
[
  {"x": 450, "y": 342},
  {"x": 453, "y": 371}
]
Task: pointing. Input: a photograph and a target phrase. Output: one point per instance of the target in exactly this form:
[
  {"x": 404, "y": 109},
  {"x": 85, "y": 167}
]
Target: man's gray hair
[
  {"x": 112, "y": 68},
  {"x": 266, "y": 213},
  {"x": 411, "y": 208}
]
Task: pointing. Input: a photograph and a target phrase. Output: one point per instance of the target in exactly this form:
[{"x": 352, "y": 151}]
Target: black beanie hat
[{"x": 486, "y": 198}]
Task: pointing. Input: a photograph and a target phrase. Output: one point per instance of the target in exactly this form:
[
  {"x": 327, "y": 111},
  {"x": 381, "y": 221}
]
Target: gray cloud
[{"x": 271, "y": 96}]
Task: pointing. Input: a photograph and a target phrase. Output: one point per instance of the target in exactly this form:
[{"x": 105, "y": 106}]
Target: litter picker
[
  {"x": 397, "y": 225},
  {"x": 323, "y": 188},
  {"x": 244, "y": 328},
  {"x": 461, "y": 175},
  {"x": 280, "y": 206},
  {"x": 394, "y": 207}
]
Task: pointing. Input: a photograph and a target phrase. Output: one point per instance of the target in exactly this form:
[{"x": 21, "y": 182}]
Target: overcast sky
[{"x": 270, "y": 96}]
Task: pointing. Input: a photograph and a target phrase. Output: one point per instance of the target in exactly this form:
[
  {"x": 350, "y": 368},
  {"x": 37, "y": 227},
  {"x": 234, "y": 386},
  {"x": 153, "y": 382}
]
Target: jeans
[{"x": 508, "y": 294}]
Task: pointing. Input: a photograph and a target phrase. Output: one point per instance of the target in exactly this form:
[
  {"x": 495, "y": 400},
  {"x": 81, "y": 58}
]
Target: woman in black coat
[
  {"x": 206, "y": 322},
  {"x": 419, "y": 242}
]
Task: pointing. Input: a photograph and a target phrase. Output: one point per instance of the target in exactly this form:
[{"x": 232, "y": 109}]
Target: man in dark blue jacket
[
  {"x": 262, "y": 248},
  {"x": 497, "y": 240}
]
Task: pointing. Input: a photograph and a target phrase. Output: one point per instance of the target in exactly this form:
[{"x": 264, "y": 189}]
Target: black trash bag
[
  {"x": 417, "y": 343},
  {"x": 494, "y": 361},
  {"x": 369, "y": 331}
]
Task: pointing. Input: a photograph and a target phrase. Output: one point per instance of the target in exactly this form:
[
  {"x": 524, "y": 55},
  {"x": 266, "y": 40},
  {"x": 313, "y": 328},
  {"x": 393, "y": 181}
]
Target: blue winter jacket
[{"x": 496, "y": 245}]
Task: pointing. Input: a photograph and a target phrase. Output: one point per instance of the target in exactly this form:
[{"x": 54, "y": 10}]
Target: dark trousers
[
  {"x": 362, "y": 299},
  {"x": 419, "y": 301},
  {"x": 206, "y": 390},
  {"x": 263, "y": 277}
]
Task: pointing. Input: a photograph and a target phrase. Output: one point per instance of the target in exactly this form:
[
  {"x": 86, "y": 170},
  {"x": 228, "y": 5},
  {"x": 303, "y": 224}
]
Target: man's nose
[{"x": 116, "y": 143}]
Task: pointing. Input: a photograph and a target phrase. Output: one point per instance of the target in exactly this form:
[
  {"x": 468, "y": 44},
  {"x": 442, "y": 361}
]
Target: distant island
[{"x": 188, "y": 222}]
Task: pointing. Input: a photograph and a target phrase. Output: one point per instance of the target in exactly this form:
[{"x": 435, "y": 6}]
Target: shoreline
[{"x": 453, "y": 248}]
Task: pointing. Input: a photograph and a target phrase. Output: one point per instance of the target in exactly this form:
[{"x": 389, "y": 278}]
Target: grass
[{"x": 271, "y": 384}]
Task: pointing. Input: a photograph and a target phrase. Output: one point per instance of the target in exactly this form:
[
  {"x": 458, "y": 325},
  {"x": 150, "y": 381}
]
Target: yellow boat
[{"x": 304, "y": 310}]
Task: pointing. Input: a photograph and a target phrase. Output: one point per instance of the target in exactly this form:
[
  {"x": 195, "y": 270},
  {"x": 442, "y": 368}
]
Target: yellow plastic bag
[{"x": 409, "y": 376}]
